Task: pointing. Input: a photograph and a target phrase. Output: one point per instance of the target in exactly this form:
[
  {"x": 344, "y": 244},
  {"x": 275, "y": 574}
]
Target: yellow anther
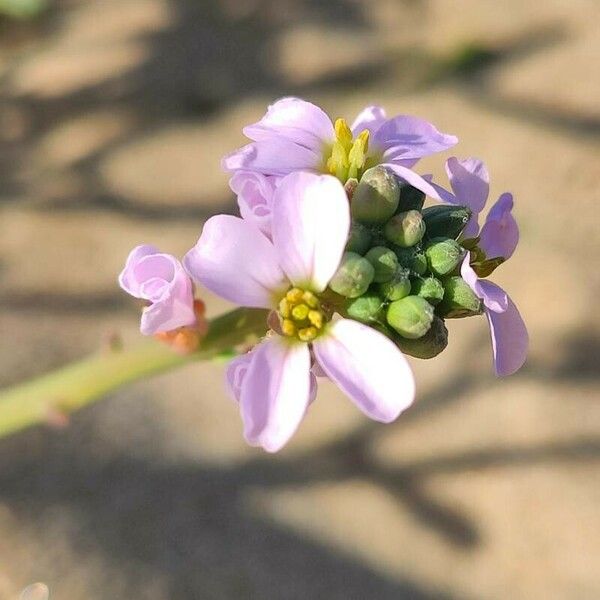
[
  {"x": 294, "y": 295},
  {"x": 300, "y": 312},
  {"x": 343, "y": 133},
  {"x": 310, "y": 299},
  {"x": 358, "y": 154},
  {"x": 337, "y": 163},
  {"x": 316, "y": 318},
  {"x": 307, "y": 334},
  {"x": 288, "y": 328},
  {"x": 284, "y": 308}
]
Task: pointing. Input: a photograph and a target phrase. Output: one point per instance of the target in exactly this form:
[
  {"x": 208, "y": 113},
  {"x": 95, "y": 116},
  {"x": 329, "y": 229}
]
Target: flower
[
  {"x": 295, "y": 135},
  {"x": 254, "y": 193},
  {"x": 510, "y": 339},
  {"x": 289, "y": 274},
  {"x": 470, "y": 183},
  {"x": 161, "y": 281}
]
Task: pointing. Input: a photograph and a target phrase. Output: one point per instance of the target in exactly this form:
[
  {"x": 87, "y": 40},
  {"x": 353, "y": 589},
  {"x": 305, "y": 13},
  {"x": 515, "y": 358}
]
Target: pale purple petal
[
  {"x": 405, "y": 137},
  {"x": 236, "y": 261},
  {"x": 311, "y": 220},
  {"x": 275, "y": 392},
  {"x": 127, "y": 279},
  {"x": 510, "y": 340},
  {"x": 427, "y": 187},
  {"x": 254, "y": 196},
  {"x": 368, "y": 367},
  {"x": 500, "y": 232},
  {"x": 470, "y": 182},
  {"x": 235, "y": 374},
  {"x": 494, "y": 298},
  {"x": 295, "y": 120},
  {"x": 273, "y": 157},
  {"x": 370, "y": 118}
]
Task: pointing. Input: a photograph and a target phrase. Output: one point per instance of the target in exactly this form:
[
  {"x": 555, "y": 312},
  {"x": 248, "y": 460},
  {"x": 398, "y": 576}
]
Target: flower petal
[
  {"x": 368, "y": 367},
  {"x": 370, "y": 118},
  {"x": 421, "y": 183},
  {"x": 405, "y": 137},
  {"x": 254, "y": 196},
  {"x": 295, "y": 120},
  {"x": 494, "y": 297},
  {"x": 510, "y": 340},
  {"x": 236, "y": 261},
  {"x": 276, "y": 156},
  {"x": 127, "y": 279},
  {"x": 236, "y": 373},
  {"x": 470, "y": 182},
  {"x": 311, "y": 220},
  {"x": 500, "y": 232},
  {"x": 275, "y": 392}
]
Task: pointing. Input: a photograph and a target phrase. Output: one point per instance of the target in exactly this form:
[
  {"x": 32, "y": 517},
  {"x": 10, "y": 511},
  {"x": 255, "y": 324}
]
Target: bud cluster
[{"x": 401, "y": 270}]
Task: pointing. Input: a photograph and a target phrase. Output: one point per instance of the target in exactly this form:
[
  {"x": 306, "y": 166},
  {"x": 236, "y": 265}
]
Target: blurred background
[{"x": 113, "y": 117}]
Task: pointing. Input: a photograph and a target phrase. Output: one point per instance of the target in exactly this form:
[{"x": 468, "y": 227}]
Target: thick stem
[{"x": 76, "y": 385}]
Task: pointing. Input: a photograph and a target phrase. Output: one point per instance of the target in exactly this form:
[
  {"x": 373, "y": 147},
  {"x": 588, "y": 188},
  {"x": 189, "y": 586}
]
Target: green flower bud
[
  {"x": 398, "y": 287},
  {"x": 412, "y": 258},
  {"x": 405, "y": 229},
  {"x": 384, "y": 261},
  {"x": 359, "y": 239},
  {"x": 366, "y": 308},
  {"x": 429, "y": 288},
  {"x": 446, "y": 220},
  {"x": 376, "y": 197},
  {"x": 427, "y": 346},
  {"x": 411, "y": 317},
  {"x": 353, "y": 277},
  {"x": 443, "y": 256},
  {"x": 459, "y": 300},
  {"x": 410, "y": 198}
]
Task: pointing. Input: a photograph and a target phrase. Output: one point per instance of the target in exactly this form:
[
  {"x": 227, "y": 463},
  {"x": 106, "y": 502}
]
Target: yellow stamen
[
  {"x": 316, "y": 318},
  {"x": 288, "y": 328},
  {"x": 307, "y": 334}
]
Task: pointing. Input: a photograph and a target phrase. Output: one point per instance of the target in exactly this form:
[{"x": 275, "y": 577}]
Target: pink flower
[
  {"x": 510, "y": 339},
  {"x": 310, "y": 224},
  {"x": 295, "y": 135},
  {"x": 160, "y": 280}
]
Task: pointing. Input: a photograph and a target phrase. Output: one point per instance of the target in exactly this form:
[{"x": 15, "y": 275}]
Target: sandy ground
[{"x": 113, "y": 116}]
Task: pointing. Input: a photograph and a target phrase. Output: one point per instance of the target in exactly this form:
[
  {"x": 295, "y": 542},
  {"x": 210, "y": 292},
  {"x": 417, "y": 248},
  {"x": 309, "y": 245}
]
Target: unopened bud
[
  {"x": 353, "y": 277},
  {"x": 459, "y": 300},
  {"x": 429, "y": 288},
  {"x": 384, "y": 262},
  {"x": 405, "y": 229},
  {"x": 376, "y": 197},
  {"x": 446, "y": 220},
  {"x": 410, "y": 198},
  {"x": 366, "y": 308},
  {"x": 411, "y": 317},
  {"x": 398, "y": 287},
  {"x": 412, "y": 258},
  {"x": 427, "y": 346},
  {"x": 359, "y": 239},
  {"x": 443, "y": 256}
]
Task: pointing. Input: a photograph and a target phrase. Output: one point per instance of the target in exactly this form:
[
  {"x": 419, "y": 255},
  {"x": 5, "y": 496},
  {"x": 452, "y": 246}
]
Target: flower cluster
[{"x": 335, "y": 242}]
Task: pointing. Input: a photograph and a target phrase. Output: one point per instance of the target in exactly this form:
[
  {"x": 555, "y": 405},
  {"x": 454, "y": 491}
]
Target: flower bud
[
  {"x": 384, "y": 262},
  {"x": 412, "y": 258},
  {"x": 398, "y": 287},
  {"x": 411, "y": 317},
  {"x": 459, "y": 300},
  {"x": 427, "y": 346},
  {"x": 359, "y": 239},
  {"x": 429, "y": 288},
  {"x": 410, "y": 198},
  {"x": 353, "y": 277},
  {"x": 376, "y": 197},
  {"x": 366, "y": 308},
  {"x": 446, "y": 220},
  {"x": 405, "y": 229},
  {"x": 443, "y": 256}
]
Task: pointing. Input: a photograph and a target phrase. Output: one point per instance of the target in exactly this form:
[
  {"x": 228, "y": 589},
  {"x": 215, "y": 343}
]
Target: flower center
[
  {"x": 301, "y": 315},
  {"x": 347, "y": 157}
]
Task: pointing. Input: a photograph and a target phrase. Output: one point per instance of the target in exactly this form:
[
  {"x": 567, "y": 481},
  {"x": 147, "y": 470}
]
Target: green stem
[{"x": 76, "y": 385}]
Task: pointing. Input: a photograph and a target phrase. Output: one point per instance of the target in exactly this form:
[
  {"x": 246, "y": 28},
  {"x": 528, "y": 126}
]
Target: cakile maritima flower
[{"x": 354, "y": 271}]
